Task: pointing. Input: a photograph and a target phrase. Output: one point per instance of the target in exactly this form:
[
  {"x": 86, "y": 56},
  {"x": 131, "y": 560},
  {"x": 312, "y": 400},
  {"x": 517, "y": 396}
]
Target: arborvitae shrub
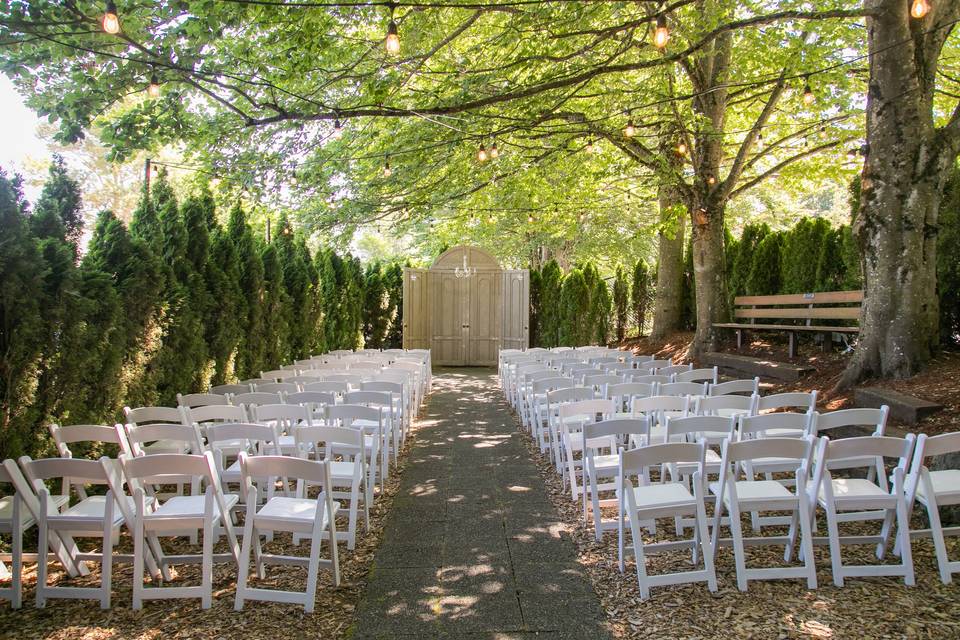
[
  {"x": 574, "y": 310},
  {"x": 688, "y": 298},
  {"x": 375, "y": 308},
  {"x": 551, "y": 284},
  {"x": 948, "y": 262},
  {"x": 533, "y": 321},
  {"x": 600, "y": 303},
  {"x": 764, "y": 276},
  {"x": 640, "y": 295},
  {"x": 752, "y": 235},
  {"x": 621, "y": 303},
  {"x": 393, "y": 281}
]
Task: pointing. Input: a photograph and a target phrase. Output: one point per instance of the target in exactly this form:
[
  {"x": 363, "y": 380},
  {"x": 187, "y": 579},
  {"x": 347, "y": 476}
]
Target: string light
[
  {"x": 153, "y": 89},
  {"x": 530, "y": 218},
  {"x": 808, "y": 96},
  {"x": 590, "y": 146},
  {"x": 682, "y": 148},
  {"x": 337, "y": 129},
  {"x": 919, "y": 8},
  {"x": 110, "y": 20},
  {"x": 494, "y": 151},
  {"x": 393, "y": 36},
  {"x": 661, "y": 34},
  {"x": 482, "y": 153},
  {"x": 629, "y": 130},
  {"x": 387, "y": 171},
  {"x": 711, "y": 180}
]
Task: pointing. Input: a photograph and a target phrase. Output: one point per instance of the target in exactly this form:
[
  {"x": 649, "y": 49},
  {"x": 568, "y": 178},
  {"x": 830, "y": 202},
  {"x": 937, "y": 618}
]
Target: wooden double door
[{"x": 466, "y": 320}]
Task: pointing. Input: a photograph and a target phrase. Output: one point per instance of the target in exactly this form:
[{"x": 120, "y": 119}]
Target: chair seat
[
  {"x": 783, "y": 433},
  {"x": 292, "y": 510},
  {"x": 611, "y": 461},
  {"x": 755, "y": 490},
  {"x": 731, "y": 413},
  {"x": 191, "y": 506},
  {"x": 853, "y": 488},
  {"x": 165, "y": 446},
  {"x": 342, "y": 470},
  {"x": 946, "y": 481},
  {"x": 6, "y": 510},
  {"x": 94, "y": 508},
  {"x": 662, "y": 495}
]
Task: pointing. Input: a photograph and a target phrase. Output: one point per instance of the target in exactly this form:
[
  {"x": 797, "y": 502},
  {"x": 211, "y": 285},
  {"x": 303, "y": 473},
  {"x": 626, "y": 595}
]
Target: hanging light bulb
[
  {"x": 482, "y": 153},
  {"x": 711, "y": 180},
  {"x": 682, "y": 148},
  {"x": 661, "y": 34},
  {"x": 808, "y": 96},
  {"x": 153, "y": 89},
  {"x": 110, "y": 20},
  {"x": 530, "y": 219},
  {"x": 630, "y": 130},
  {"x": 494, "y": 151},
  {"x": 393, "y": 36},
  {"x": 387, "y": 171},
  {"x": 582, "y": 216},
  {"x": 851, "y": 154},
  {"x": 590, "y": 146},
  {"x": 337, "y": 129},
  {"x": 919, "y": 8}
]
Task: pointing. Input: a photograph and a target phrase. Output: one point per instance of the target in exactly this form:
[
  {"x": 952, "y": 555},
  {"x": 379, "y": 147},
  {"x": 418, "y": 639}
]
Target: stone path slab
[{"x": 472, "y": 547}]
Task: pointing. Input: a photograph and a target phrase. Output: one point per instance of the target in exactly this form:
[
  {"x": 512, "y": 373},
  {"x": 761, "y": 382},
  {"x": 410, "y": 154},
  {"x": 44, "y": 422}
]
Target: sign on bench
[{"x": 796, "y": 306}]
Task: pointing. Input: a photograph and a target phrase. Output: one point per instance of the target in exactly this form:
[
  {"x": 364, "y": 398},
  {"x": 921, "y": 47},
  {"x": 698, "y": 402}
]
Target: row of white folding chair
[
  {"x": 858, "y": 498},
  {"x": 149, "y": 517}
]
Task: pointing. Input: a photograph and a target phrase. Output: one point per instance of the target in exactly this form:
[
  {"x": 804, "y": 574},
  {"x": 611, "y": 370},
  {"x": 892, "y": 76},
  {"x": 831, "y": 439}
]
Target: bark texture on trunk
[
  {"x": 904, "y": 172},
  {"x": 666, "y": 306},
  {"x": 709, "y": 272}
]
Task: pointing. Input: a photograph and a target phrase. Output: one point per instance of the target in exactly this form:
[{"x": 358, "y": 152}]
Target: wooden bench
[{"x": 797, "y": 306}]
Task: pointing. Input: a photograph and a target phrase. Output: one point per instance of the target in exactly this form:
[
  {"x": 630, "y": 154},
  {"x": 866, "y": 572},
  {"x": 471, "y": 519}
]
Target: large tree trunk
[
  {"x": 904, "y": 173},
  {"x": 667, "y": 303},
  {"x": 709, "y": 272}
]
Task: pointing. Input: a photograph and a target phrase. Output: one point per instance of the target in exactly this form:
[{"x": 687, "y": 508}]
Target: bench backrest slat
[
  {"x": 823, "y": 297},
  {"x": 828, "y": 313}
]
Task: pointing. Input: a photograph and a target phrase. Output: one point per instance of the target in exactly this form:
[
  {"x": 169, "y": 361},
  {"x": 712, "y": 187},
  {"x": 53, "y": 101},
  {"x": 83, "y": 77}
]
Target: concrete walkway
[{"x": 472, "y": 546}]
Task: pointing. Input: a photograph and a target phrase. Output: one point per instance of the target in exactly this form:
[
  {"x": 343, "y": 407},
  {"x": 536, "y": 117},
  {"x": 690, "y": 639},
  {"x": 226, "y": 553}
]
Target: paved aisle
[{"x": 472, "y": 546}]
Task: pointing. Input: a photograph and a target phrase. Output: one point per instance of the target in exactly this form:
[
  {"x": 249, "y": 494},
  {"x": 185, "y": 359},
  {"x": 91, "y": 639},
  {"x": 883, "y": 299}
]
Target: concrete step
[
  {"x": 904, "y": 408},
  {"x": 748, "y": 367}
]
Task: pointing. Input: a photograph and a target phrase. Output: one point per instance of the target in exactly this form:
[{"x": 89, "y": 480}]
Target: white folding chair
[
  {"x": 313, "y": 517},
  {"x": 93, "y": 516},
  {"x": 384, "y": 402},
  {"x": 342, "y": 449},
  {"x": 728, "y": 406},
  {"x": 369, "y": 421},
  {"x": 208, "y": 512},
  {"x": 91, "y": 438},
  {"x": 657, "y": 409},
  {"x": 793, "y": 400},
  {"x": 736, "y": 496},
  {"x": 601, "y": 444},
  {"x": 15, "y": 519},
  {"x": 157, "y": 418},
  {"x": 697, "y": 375},
  {"x": 861, "y": 498},
  {"x": 935, "y": 489},
  {"x": 648, "y": 501},
  {"x": 286, "y": 419},
  {"x": 749, "y": 387},
  {"x": 556, "y": 399}
]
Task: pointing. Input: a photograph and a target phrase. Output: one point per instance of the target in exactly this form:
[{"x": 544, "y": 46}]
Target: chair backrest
[
  {"x": 757, "y": 425},
  {"x": 710, "y": 405},
  {"x": 617, "y": 367},
  {"x": 327, "y": 386},
  {"x": 300, "y": 380},
  {"x": 252, "y": 381},
  {"x": 800, "y": 450},
  {"x": 617, "y": 427},
  {"x": 697, "y": 375},
  {"x": 683, "y": 389},
  {"x": 214, "y": 413},
  {"x": 570, "y": 394},
  {"x": 227, "y": 389},
  {"x": 658, "y": 364},
  {"x": 83, "y": 433},
  {"x": 313, "y": 398},
  {"x": 715, "y": 429},
  {"x": 586, "y": 408},
  {"x": 806, "y": 401},
  {"x": 386, "y": 386},
  {"x": 138, "y": 435},
  {"x": 353, "y": 379},
  {"x": 655, "y": 404},
  {"x": 864, "y": 452},
  {"x": 167, "y": 468},
  {"x": 873, "y": 419},
  {"x": 277, "y": 375},
  {"x": 277, "y": 387},
  {"x": 750, "y": 387},
  {"x": 330, "y": 440},
  {"x": 551, "y": 384},
  {"x": 259, "y": 438},
  {"x": 637, "y": 461},
  {"x": 153, "y": 415},
  {"x": 631, "y": 390},
  {"x": 256, "y": 398},
  {"x": 370, "y": 398},
  {"x": 78, "y": 471},
  {"x": 346, "y": 414},
  {"x": 647, "y": 378},
  {"x": 285, "y": 415},
  {"x": 307, "y": 472},
  {"x": 201, "y": 399},
  {"x": 601, "y": 380},
  {"x": 674, "y": 369}
]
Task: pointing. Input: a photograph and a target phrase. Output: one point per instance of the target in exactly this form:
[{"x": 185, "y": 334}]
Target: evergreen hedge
[{"x": 173, "y": 304}]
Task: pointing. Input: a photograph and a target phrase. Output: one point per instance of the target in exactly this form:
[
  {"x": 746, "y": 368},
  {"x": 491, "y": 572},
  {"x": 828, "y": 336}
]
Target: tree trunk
[
  {"x": 903, "y": 178},
  {"x": 709, "y": 272},
  {"x": 667, "y": 303}
]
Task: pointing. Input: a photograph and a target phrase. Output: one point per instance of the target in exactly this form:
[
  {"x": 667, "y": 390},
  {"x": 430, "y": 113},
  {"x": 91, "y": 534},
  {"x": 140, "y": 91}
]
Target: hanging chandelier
[{"x": 466, "y": 271}]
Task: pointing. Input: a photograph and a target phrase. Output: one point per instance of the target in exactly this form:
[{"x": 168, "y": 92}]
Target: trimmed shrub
[
  {"x": 551, "y": 286},
  {"x": 621, "y": 296},
  {"x": 765, "y": 268},
  {"x": 640, "y": 294},
  {"x": 533, "y": 320}
]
